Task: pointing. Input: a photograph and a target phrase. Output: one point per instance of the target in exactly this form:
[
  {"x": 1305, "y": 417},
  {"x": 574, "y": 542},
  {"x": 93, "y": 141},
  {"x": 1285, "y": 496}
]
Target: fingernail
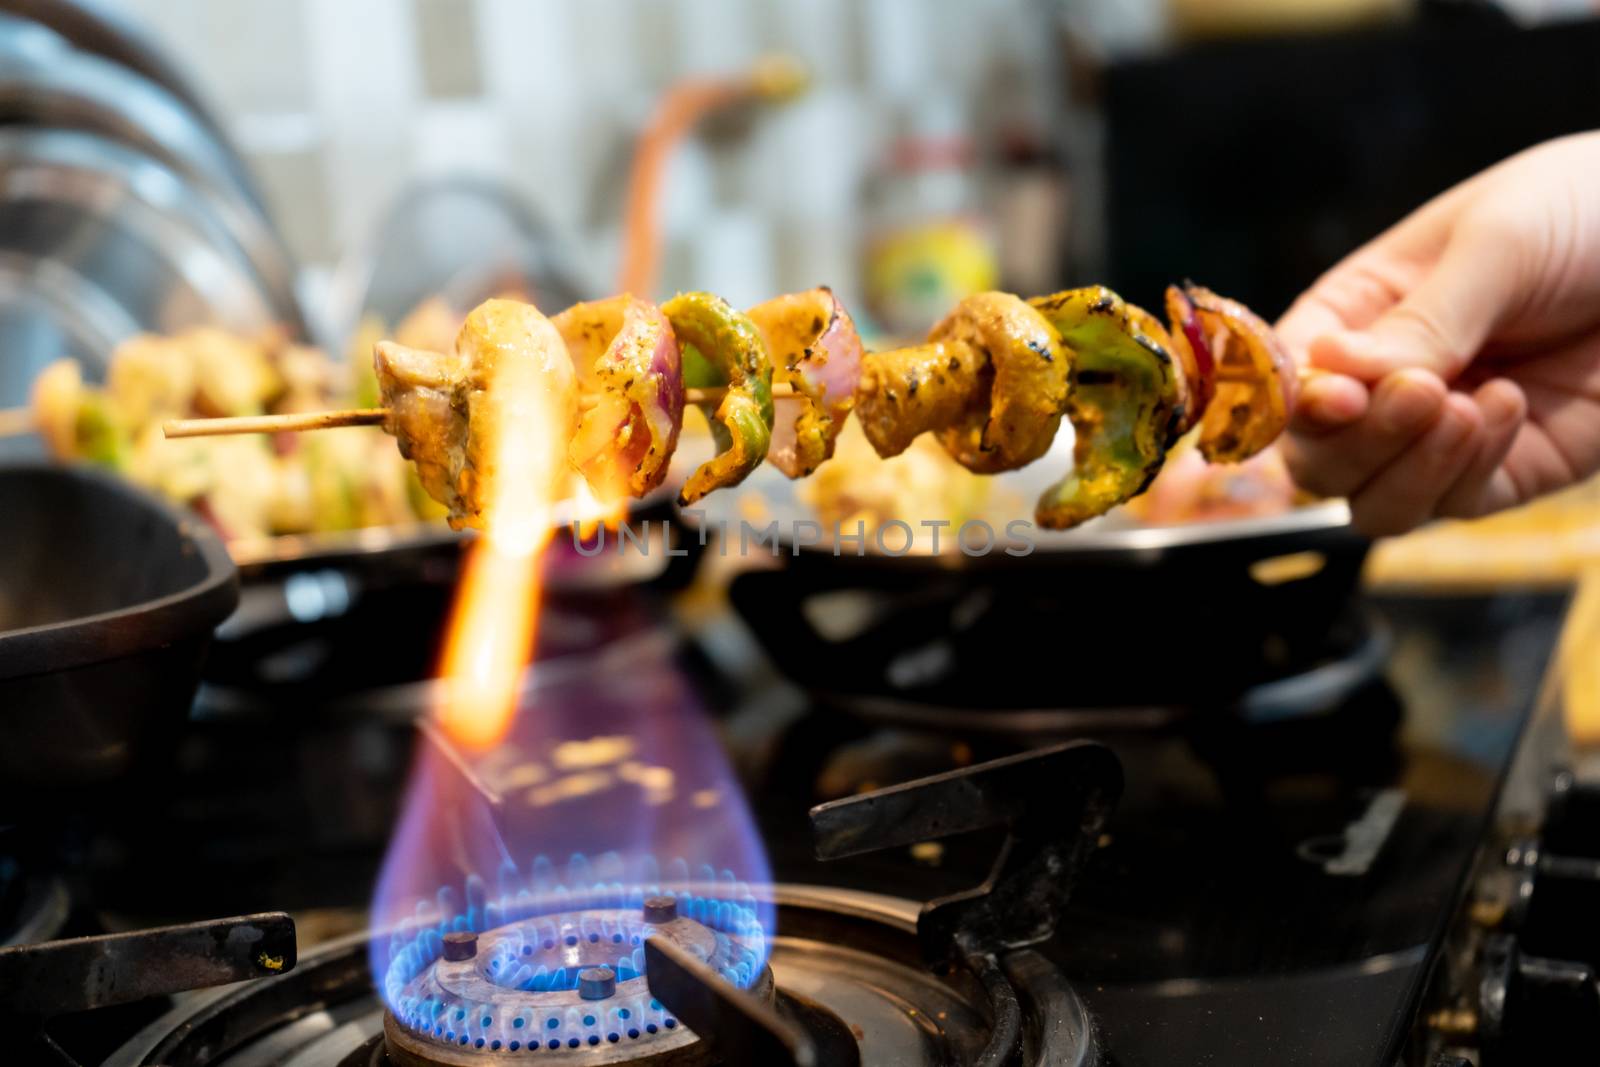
[
  {"x": 1349, "y": 352},
  {"x": 1454, "y": 428},
  {"x": 1335, "y": 399},
  {"x": 1406, "y": 401},
  {"x": 1501, "y": 402}
]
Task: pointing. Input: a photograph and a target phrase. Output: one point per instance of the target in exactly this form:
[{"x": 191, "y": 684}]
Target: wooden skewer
[
  {"x": 328, "y": 420},
  {"x": 14, "y": 422},
  {"x": 331, "y": 420},
  {"x": 310, "y": 420}
]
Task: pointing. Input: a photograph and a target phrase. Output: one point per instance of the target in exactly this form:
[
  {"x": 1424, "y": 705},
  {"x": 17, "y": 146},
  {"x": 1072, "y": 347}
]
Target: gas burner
[
  {"x": 852, "y": 979},
  {"x": 847, "y": 964},
  {"x": 567, "y": 982},
  {"x": 544, "y": 967}
]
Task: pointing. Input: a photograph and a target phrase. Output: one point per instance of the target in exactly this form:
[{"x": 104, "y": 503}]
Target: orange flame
[
  {"x": 521, "y": 424},
  {"x": 492, "y": 630},
  {"x": 522, "y": 441},
  {"x": 590, "y": 512},
  {"x": 494, "y": 623}
]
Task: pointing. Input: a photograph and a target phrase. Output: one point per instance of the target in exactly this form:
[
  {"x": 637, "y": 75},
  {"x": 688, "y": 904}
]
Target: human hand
[{"x": 1463, "y": 347}]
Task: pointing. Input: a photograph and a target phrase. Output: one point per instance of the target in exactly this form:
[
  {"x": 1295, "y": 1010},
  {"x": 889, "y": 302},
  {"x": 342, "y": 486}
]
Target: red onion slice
[
  {"x": 815, "y": 348},
  {"x": 631, "y": 380}
]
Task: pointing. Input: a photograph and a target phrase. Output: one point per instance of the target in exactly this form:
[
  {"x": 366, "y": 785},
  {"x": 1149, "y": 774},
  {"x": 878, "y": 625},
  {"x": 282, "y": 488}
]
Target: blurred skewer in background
[{"x": 772, "y": 79}]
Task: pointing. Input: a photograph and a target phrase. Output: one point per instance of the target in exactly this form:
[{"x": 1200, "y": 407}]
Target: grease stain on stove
[
  {"x": 659, "y": 784},
  {"x": 602, "y": 751},
  {"x": 570, "y": 787},
  {"x": 523, "y": 775}
]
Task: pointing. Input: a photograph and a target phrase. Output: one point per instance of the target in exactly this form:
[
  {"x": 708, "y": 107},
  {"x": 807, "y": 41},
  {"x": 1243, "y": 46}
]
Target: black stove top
[{"x": 1265, "y": 892}]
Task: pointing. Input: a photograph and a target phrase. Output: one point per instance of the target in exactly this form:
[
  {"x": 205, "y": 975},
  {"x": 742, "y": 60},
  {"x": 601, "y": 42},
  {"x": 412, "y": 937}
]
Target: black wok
[
  {"x": 327, "y": 616},
  {"x": 108, "y": 599},
  {"x": 1105, "y": 617}
]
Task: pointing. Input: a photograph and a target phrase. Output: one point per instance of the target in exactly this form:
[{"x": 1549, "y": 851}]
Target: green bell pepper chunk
[
  {"x": 722, "y": 347},
  {"x": 101, "y": 437},
  {"x": 1122, "y": 402}
]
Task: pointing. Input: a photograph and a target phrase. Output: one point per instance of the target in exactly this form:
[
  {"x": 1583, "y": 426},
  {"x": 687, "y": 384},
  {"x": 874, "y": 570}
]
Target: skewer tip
[
  {"x": 14, "y": 422},
  {"x": 312, "y": 420}
]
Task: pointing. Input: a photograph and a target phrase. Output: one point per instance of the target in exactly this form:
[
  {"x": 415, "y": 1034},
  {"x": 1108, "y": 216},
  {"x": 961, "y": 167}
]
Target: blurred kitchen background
[
  {"x": 1118, "y": 140},
  {"x": 338, "y": 107},
  {"x": 216, "y": 207},
  {"x": 325, "y": 174}
]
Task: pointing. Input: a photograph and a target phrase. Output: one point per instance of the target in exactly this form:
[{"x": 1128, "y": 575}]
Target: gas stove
[
  {"x": 646, "y": 963},
  {"x": 848, "y": 956},
  {"x": 1371, "y": 880}
]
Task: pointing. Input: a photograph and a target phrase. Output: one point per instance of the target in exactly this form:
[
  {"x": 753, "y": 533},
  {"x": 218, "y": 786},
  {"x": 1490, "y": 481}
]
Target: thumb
[{"x": 1438, "y": 326}]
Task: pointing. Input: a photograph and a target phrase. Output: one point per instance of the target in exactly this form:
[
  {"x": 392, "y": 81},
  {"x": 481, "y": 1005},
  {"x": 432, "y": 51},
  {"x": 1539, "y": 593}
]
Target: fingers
[
  {"x": 1405, "y": 494},
  {"x": 1351, "y": 296},
  {"x": 1314, "y": 314},
  {"x": 1439, "y": 325},
  {"x": 1417, "y": 453},
  {"x": 1540, "y": 460},
  {"x": 1485, "y": 485},
  {"x": 1556, "y": 441},
  {"x": 1342, "y": 460},
  {"x": 1328, "y": 402}
]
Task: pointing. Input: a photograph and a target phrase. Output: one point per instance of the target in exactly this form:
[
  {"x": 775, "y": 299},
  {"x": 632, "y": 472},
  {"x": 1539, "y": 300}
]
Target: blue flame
[
  {"x": 606, "y": 913},
  {"x": 609, "y": 765}
]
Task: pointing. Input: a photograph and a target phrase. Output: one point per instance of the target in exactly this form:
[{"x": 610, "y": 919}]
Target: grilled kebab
[{"x": 993, "y": 381}]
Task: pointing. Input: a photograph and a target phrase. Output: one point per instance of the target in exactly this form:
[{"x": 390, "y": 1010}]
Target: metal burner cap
[
  {"x": 569, "y": 986},
  {"x": 462, "y": 945},
  {"x": 597, "y": 983}
]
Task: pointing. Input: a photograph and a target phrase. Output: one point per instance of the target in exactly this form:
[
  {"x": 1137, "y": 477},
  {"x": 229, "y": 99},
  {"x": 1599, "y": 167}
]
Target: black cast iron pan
[
  {"x": 108, "y": 600},
  {"x": 367, "y": 610},
  {"x": 1105, "y": 617}
]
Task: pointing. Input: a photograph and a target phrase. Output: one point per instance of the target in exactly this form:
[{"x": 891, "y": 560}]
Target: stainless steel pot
[
  {"x": 121, "y": 210},
  {"x": 461, "y": 238},
  {"x": 98, "y": 242},
  {"x": 45, "y": 81},
  {"x": 102, "y": 31}
]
